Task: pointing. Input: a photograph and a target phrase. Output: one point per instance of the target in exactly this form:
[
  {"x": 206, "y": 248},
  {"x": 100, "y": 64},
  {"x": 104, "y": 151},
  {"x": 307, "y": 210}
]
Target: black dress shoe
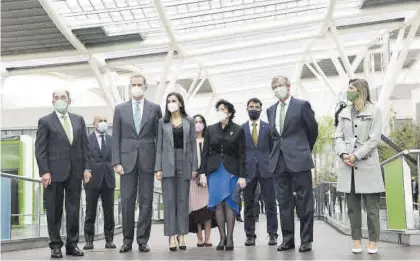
[
  {"x": 110, "y": 245},
  {"x": 56, "y": 253},
  {"x": 221, "y": 245},
  {"x": 88, "y": 246},
  {"x": 229, "y": 244},
  {"x": 144, "y": 248},
  {"x": 305, "y": 247},
  {"x": 285, "y": 246},
  {"x": 75, "y": 251},
  {"x": 250, "y": 241},
  {"x": 272, "y": 241},
  {"x": 125, "y": 248}
]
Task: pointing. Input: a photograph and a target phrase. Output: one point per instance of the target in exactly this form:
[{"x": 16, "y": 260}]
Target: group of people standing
[{"x": 203, "y": 169}]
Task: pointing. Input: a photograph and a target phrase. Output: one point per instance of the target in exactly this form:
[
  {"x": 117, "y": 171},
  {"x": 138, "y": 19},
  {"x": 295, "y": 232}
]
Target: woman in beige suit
[
  {"x": 176, "y": 163},
  {"x": 357, "y": 136}
]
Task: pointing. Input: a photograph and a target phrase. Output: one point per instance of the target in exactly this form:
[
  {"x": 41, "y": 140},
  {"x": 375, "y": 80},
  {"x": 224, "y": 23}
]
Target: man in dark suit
[
  {"x": 61, "y": 151},
  {"x": 415, "y": 191},
  {"x": 258, "y": 146},
  {"x": 102, "y": 184},
  {"x": 134, "y": 137},
  {"x": 296, "y": 131}
]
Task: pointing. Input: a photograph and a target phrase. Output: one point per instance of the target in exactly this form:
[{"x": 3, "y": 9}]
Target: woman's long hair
[
  {"x": 203, "y": 132},
  {"x": 362, "y": 87},
  {"x": 181, "y": 109}
]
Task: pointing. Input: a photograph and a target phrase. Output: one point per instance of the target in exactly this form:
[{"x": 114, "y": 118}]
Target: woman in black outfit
[{"x": 223, "y": 162}]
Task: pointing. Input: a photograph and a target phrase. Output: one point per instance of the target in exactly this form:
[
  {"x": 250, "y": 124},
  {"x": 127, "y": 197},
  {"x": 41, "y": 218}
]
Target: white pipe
[
  {"x": 62, "y": 26},
  {"x": 197, "y": 89},
  {"x": 194, "y": 83},
  {"x": 162, "y": 83},
  {"x": 340, "y": 47}
]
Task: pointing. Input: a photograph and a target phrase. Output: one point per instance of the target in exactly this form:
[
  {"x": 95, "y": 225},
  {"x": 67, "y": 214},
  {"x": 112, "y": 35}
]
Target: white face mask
[
  {"x": 137, "y": 92},
  {"x": 221, "y": 116},
  {"x": 61, "y": 106},
  {"x": 102, "y": 127},
  {"x": 173, "y": 107},
  {"x": 281, "y": 92}
]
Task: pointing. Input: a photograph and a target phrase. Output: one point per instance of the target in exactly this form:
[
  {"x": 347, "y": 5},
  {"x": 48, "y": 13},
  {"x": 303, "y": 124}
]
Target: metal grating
[
  {"x": 377, "y": 3},
  {"x": 27, "y": 28},
  {"x": 96, "y": 36}
]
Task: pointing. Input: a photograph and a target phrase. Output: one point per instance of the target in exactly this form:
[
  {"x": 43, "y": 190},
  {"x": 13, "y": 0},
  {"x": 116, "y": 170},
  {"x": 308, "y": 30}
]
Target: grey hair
[{"x": 278, "y": 78}]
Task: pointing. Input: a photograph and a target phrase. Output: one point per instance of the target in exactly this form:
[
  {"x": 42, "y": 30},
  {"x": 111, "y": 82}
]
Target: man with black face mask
[{"x": 259, "y": 143}]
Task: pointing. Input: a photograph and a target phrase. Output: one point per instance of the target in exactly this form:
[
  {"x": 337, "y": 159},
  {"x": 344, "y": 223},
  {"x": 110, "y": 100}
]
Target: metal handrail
[{"x": 12, "y": 176}]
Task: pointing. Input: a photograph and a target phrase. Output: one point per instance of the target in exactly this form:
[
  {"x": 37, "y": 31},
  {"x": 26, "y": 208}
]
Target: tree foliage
[{"x": 323, "y": 151}]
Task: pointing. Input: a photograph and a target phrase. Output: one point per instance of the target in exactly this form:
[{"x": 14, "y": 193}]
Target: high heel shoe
[
  {"x": 172, "y": 244},
  {"x": 181, "y": 242},
  {"x": 221, "y": 245},
  {"x": 229, "y": 246}
]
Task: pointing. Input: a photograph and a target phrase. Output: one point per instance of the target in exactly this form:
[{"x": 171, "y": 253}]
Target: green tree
[{"x": 323, "y": 151}]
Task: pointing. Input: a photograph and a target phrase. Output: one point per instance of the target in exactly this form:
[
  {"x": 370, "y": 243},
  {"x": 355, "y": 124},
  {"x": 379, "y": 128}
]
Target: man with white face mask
[
  {"x": 296, "y": 131},
  {"x": 134, "y": 137},
  {"x": 61, "y": 151},
  {"x": 102, "y": 184}
]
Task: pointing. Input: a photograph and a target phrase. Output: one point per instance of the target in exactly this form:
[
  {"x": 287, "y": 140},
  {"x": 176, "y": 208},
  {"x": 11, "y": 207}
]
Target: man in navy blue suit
[
  {"x": 295, "y": 132},
  {"x": 258, "y": 145}
]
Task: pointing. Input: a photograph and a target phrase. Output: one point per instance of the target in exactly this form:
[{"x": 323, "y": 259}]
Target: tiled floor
[{"x": 328, "y": 245}]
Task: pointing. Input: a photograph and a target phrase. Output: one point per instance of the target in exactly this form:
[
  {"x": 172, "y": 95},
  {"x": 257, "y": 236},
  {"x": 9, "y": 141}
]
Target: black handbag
[{"x": 236, "y": 196}]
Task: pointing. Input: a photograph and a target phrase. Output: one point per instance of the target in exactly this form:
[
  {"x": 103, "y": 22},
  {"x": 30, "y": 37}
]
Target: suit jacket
[
  {"x": 299, "y": 135},
  {"x": 128, "y": 146},
  {"x": 53, "y": 151},
  {"x": 224, "y": 145},
  {"x": 165, "y": 151},
  {"x": 101, "y": 162},
  {"x": 258, "y": 156}
]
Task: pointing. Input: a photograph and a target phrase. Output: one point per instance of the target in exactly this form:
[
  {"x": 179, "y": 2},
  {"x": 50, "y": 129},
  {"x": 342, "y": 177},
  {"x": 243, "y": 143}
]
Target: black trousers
[
  {"x": 54, "y": 197},
  {"x": 268, "y": 194},
  {"x": 107, "y": 199},
  {"x": 286, "y": 183}
]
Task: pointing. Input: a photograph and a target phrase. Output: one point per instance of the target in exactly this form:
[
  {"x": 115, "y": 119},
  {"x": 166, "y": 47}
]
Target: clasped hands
[{"x": 349, "y": 160}]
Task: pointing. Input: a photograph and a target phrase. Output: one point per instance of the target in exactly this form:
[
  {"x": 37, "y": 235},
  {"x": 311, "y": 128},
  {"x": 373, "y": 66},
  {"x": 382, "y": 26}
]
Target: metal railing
[
  {"x": 333, "y": 204},
  {"x": 34, "y": 224}
]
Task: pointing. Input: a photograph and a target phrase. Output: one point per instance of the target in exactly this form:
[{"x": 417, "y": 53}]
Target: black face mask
[{"x": 254, "y": 114}]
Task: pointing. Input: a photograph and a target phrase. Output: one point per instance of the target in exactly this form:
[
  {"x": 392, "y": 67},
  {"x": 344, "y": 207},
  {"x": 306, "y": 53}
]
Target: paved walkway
[{"x": 328, "y": 245}]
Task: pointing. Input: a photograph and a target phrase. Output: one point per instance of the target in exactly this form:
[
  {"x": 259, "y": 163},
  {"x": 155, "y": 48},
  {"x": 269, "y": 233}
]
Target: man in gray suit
[
  {"x": 295, "y": 134},
  {"x": 134, "y": 137}
]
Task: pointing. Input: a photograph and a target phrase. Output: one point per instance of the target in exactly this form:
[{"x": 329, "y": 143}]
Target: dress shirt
[
  {"x": 60, "y": 117},
  {"x": 278, "y": 112},
  {"x": 99, "y": 138},
  {"x": 251, "y": 125}
]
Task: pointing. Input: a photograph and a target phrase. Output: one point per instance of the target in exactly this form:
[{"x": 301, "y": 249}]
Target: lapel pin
[{"x": 231, "y": 133}]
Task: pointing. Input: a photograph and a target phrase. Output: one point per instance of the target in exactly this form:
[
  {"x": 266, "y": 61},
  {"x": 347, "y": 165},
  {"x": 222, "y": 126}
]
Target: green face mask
[{"x": 352, "y": 96}]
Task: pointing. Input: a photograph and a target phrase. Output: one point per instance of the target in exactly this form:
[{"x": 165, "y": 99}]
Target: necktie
[
  {"x": 102, "y": 142},
  {"x": 282, "y": 116},
  {"x": 137, "y": 117},
  {"x": 254, "y": 133},
  {"x": 67, "y": 128}
]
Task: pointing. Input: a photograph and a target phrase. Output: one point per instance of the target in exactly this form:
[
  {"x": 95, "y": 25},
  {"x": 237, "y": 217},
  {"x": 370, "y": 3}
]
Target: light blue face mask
[{"x": 61, "y": 106}]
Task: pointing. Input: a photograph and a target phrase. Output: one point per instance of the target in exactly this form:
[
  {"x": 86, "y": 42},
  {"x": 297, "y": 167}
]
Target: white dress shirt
[
  {"x": 141, "y": 106},
  {"x": 60, "y": 117},
  {"x": 99, "y": 138},
  {"x": 251, "y": 125},
  {"x": 278, "y": 112}
]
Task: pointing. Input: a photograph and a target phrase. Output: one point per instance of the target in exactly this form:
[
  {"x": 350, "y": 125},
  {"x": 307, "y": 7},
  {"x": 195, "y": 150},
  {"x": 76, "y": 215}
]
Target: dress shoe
[
  {"x": 125, "y": 248},
  {"x": 181, "y": 242},
  {"x": 144, "y": 248},
  {"x": 250, "y": 241},
  {"x": 239, "y": 218},
  {"x": 208, "y": 244},
  {"x": 200, "y": 244},
  {"x": 88, "y": 246},
  {"x": 110, "y": 245},
  {"x": 229, "y": 244},
  {"x": 56, "y": 253},
  {"x": 305, "y": 247},
  {"x": 74, "y": 251},
  {"x": 285, "y": 246},
  {"x": 272, "y": 241},
  {"x": 221, "y": 245}
]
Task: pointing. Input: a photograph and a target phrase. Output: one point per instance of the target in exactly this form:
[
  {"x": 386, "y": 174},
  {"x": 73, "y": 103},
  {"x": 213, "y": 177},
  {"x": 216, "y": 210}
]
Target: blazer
[
  {"x": 165, "y": 151},
  {"x": 128, "y": 146},
  {"x": 258, "y": 156},
  {"x": 53, "y": 151},
  {"x": 224, "y": 145},
  {"x": 101, "y": 162},
  {"x": 299, "y": 135},
  {"x": 360, "y": 136}
]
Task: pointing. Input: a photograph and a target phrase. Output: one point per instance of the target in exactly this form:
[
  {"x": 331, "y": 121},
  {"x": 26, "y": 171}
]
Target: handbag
[{"x": 236, "y": 196}]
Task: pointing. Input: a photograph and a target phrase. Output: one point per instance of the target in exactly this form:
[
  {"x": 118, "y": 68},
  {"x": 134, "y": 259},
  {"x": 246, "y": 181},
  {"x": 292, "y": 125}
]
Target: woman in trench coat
[{"x": 359, "y": 175}]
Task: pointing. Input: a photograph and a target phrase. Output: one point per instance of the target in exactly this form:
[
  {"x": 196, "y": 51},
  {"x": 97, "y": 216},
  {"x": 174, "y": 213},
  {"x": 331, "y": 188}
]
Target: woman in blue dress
[{"x": 223, "y": 167}]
